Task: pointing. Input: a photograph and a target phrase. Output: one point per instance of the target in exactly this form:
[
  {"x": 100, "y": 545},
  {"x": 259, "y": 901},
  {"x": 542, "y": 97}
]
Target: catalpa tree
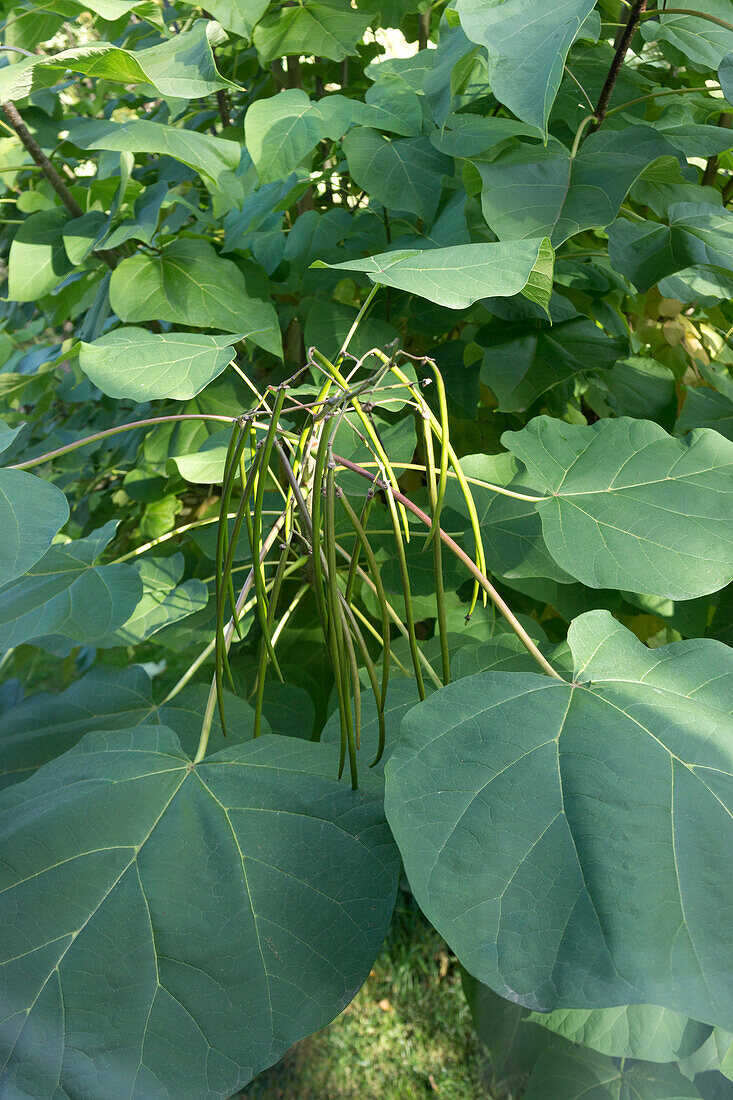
[{"x": 367, "y": 504}]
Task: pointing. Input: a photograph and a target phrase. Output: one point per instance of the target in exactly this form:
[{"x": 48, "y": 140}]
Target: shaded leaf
[
  {"x": 66, "y": 593},
  {"x": 402, "y": 174},
  {"x": 697, "y": 235},
  {"x": 629, "y": 506},
  {"x": 460, "y": 275},
  {"x": 189, "y": 284},
  {"x": 38, "y": 260},
  {"x": 535, "y": 865},
  {"x": 141, "y": 365},
  {"x": 237, "y": 906},
  {"x": 537, "y": 191},
  {"x": 527, "y": 48}
]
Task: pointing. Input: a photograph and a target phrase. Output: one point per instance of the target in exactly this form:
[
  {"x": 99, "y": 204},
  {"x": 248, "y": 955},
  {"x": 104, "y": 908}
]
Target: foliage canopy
[{"x": 366, "y": 502}]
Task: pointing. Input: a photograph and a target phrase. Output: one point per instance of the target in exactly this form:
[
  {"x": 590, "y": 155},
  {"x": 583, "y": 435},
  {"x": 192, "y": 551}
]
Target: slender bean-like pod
[
  {"x": 336, "y": 627},
  {"x": 406, "y": 592},
  {"x": 317, "y": 486},
  {"x": 271, "y": 611},
  {"x": 460, "y": 477},
  {"x": 437, "y": 505},
  {"x": 373, "y": 439},
  {"x": 378, "y": 638},
  {"x": 373, "y": 681},
  {"x": 437, "y": 555},
  {"x": 236, "y": 443},
  {"x": 357, "y": 542},
  {"x": 378, "y": 588},
  {"x": 248, "y": 480},
  {"x": 256, "y": 541},
  {"x": 395, "y": 619}
]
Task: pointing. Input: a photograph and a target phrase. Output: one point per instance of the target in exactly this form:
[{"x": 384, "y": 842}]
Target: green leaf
[
  {"x": 205, "y": 466},
  {"x": 521, "y": 363},
  {"x": 32, "y": 512},
  {"x": 725, "y": 76},
  {"x": 237, "y": 16},
  {"x": 181, "y": 66},
  {"x": 532, "y": 856},
  {"x": 144, "y": 366},
  {"x": 65, "y": 593},
  {"x": 697, "y": 235},
  {"x": 700, "y": 669},
  {"x": 571, "y": 1073},
  {"x": 164, "y": 601},
  {"x": 527, "y": 48},
  {"x": 704, "y": 408},
  {"x": 460, "y": 275},
  {"x": 203, "y": 919},
  {"x": 630, "y": 507},
  {"x": 325, "y": 28},
  {"x": 402, "y": 174},
  {"x": 511, "y": 529},
  {"x": 704, "y": 42},
  {"x": 214, "y": 158},
  {"x": 38, "y": 260},
  {"x": 46, "y": 725},
  {"x": 82, "y": 235},
  {"x": 190, "y": 284},
  {"x": 537, "y": 191},
  {"x": 469, "y": 135},
  {"x": 280, "y": 132},
  {"x": 629, "y": 1031}
]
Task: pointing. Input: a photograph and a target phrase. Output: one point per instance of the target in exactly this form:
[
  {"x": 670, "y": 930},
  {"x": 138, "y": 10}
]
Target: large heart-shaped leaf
[
  {"x": 535, "y": 190},
  {"x": 703, "y": 41},
  {"x": 46, "y": 725},
  {"x": 572, "y": 842},
  {"x": 326, "y": 28},
  {"x": 32, "y": 511},
  {"x": 698, "y": 235},
  {"x": 523, "y": 362},
  {"x": 202, "y": 920},
  {"x": 527, "y": 47},
  {"x": 181, "y": 66},
  {"x": 212, "y": 157},
  {"x": 630, "y": 507},
  {"x": 66, "y": 593},
  {"x": 165, "y": 601},
  {"x": 404, "y": 174},
  {"x": 38, "y": 261},
  {"x": 189, "y": 284},
  {"x": 459, "y": 275},
  {"x": 141, "y": 365},
  {"x": 564, "y": 1072},
  {"x": 281, "y": 131}
]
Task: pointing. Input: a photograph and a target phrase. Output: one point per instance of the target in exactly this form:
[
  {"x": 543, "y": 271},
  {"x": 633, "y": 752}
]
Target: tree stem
[
  {"x": 115, "y": 431},
  {"x": 13, "y": 116},
  {"x": 613, "y": 73}
]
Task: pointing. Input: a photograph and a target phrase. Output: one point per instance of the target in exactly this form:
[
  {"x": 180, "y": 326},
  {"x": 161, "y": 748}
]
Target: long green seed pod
[
  {"x": 437, "y": 556},
  {"x": 357, "y": 544},
  {"x": 374, "y": 682},
  {"x": 378, "y": 588},
  {"x": 316, "y": 516},
  {"x": 222, "y": 533},
  {"x": 335, "y": 623},
  {"x": 271, "y": 611},
  {"x": 444, "y": 445},
  {"x": 256, "y": 542},
  {"x": 373, "y": 439},
  {"x": 460, "y": 477},
  {"x": 247, "y": 483},
  {"x": 406, "y": 591}
]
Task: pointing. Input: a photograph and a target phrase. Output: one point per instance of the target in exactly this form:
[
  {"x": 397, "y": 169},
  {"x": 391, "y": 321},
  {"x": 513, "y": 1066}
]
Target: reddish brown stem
[
  {"x": 462, "y": 556},
  {"x": 618, "y": 60}
]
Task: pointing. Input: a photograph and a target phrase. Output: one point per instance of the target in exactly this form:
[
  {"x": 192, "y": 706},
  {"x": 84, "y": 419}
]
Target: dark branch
[{"x": 618, "y": 60}]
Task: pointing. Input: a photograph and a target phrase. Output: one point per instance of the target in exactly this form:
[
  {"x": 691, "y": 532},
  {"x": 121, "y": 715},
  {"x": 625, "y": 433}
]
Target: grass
[{"x": 406, "y": 1036}]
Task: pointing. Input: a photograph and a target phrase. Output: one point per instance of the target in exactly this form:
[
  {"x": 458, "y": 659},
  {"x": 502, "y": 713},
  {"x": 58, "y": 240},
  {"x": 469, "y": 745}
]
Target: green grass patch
[{"x": 406, "y": 1036}]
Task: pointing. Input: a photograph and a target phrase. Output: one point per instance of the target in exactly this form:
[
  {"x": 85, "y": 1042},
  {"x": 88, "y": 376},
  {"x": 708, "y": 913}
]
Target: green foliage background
[{"x": 530, "y": 200}]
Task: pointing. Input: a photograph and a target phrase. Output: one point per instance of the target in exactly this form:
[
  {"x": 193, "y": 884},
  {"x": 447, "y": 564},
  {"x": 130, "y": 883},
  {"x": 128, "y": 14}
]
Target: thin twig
[{"x": 618, "y": 60}]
